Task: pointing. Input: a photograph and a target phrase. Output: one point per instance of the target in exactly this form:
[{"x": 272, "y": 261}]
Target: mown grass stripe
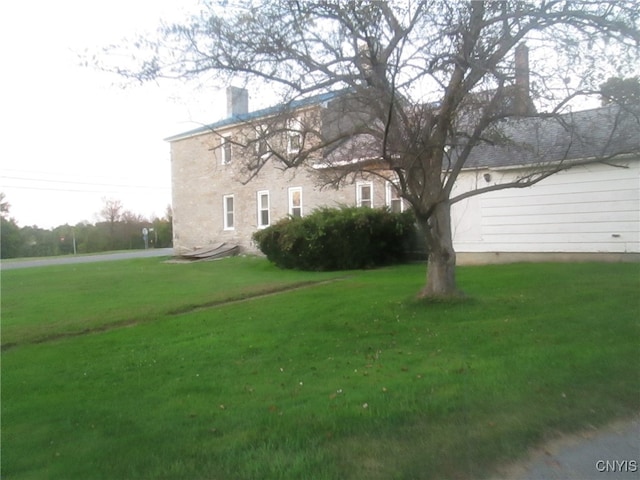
[{"x": 345, "y": 380}]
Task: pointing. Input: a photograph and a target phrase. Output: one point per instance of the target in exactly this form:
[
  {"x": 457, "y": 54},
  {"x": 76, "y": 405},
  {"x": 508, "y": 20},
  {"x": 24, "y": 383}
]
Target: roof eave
[{"x": 297, "y": 105}]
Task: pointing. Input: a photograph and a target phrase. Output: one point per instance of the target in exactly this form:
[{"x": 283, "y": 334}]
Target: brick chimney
[
  {"x": 237, "y": 101},
  {"x": 523, "y": 104}
]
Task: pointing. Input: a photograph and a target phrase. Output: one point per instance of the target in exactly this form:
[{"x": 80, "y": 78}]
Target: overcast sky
[{"x": 71, "y": 137}]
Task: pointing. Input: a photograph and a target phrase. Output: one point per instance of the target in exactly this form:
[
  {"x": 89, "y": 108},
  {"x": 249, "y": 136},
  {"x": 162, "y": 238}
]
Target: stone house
[
  {"x": 217, "y": 198},
  {"x": 224, "y": 187}
]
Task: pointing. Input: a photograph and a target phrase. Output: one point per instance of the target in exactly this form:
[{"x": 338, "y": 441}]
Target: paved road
[
  {"x": 610, "y": 453},
  {"x": 69, "y": 259}
]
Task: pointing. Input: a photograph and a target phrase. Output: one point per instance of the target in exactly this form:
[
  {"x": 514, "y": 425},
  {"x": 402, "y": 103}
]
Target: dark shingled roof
[
  {"x": 528, "y": 141},
  {"x": 600, "y": 132}
]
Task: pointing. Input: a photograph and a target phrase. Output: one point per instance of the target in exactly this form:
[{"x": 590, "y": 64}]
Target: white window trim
[
  {"x": 389, "y": 196},
  {"x": 259, "y": 196},
  {"x": 294, "y": 129},
  {"x": 261, "y": 147},
  {"x": 225, "y": 213},
  {"x": 292, "y": 190},
  {"x": 359, "y": 186},
  {"x": 224, "y": 139},
  {"x": 290, "y": 148}
]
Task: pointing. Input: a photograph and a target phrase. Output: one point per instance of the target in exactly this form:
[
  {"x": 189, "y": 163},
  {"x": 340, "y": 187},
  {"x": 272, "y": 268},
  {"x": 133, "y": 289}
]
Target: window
[
  {"x": 263, "y": 209},
  {"x": 261, "y": 145},
  {"x": 294, "y": 143},
  {"x": 394, "y": 200},
  {"x": 225, "y": 147},
  {"x": 294, "y": 133},
  {"x": 364, "y": 194},
  {"x": 295, "y": 201},
  {"x": 228, "y": 207}
]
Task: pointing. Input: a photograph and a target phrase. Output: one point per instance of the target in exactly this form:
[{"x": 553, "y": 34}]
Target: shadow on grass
[
  {"x": 459, "y": 299},
  {"x": 242, "y": 297}
]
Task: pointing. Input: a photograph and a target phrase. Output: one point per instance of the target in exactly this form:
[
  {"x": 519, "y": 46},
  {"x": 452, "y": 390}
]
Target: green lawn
[
  {"x": 349, "y": 378},
  {"x": 41, "y": 303}
]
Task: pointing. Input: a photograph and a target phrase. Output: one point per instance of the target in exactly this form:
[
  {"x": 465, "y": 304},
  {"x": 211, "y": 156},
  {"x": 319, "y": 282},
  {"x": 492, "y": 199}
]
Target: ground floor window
[
  {"x": 295, "y": 201},
  {"x": 228, "y": 207},
  {"x": 394, "y": 200},
  {"x": 263, "y": 209},
  {"x": 364, "y": 194}
]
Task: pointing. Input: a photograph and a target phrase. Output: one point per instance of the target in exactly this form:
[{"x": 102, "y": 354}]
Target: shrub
[{"x": 338, "y": 239}]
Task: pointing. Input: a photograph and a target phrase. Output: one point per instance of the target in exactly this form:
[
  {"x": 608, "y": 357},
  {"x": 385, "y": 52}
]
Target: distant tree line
[{"x": 118, "y": 229}]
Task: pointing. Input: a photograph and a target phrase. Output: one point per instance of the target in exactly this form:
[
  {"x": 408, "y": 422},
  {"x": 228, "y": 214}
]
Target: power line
[
  {"x": 70, "y": 182},
  {"x": 24, "y": 187},
  {"x": 30, "y": 173}
]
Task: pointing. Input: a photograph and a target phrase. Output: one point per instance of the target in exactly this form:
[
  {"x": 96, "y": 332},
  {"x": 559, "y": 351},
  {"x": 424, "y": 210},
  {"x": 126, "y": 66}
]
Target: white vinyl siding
[{"x": 595, "y": 208}]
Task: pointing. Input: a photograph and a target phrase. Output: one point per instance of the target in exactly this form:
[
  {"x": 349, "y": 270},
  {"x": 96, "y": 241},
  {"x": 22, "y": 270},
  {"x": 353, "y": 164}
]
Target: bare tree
[
  {"x": 4, "y": 206},
  {"x": 427, "y": 83},
  {"x": 131, "y": 218},
  {"x": 111, "y": 211}
]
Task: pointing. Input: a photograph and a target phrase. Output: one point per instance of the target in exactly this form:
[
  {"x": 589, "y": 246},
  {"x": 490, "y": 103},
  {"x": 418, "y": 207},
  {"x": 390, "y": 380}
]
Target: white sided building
[{"x": 588, "y": 212}]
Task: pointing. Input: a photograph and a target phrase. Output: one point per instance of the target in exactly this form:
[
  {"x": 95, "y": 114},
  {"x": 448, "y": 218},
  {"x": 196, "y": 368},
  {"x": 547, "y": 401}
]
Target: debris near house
[{"x": 212, "y": 252}]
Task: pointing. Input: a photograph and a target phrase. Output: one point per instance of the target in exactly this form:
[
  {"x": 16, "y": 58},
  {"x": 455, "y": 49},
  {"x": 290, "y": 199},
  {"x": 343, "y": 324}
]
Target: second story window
[
  {"x": 294, "y": 143},
  {"x": 225, "y": 147},
  {"x": 261, "y": 145},
  {"x": 294, "y": 136}
]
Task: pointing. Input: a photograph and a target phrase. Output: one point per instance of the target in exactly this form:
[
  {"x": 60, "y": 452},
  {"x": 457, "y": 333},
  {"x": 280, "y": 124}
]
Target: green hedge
[{"x": 338, "y": 239}]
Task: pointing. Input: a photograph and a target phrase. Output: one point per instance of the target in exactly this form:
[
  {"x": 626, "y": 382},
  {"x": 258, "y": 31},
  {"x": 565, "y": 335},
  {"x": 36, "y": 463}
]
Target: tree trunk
[{"x": 441, "y": 264}]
